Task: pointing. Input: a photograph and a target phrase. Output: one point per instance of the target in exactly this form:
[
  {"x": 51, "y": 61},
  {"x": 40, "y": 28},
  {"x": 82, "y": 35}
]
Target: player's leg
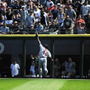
[
  {"x": 45, "y": 66},
  {"x": 40, "y": 68}
]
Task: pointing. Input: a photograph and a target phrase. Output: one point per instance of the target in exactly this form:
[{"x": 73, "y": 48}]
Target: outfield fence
[{"x": 24, "y": 38}]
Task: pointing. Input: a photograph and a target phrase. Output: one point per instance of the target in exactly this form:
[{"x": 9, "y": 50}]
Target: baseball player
[{"x": 44, "y": 53}]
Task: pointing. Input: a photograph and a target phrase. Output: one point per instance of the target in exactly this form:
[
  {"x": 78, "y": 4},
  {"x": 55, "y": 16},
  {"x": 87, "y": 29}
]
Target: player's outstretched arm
[{"x": 38, "y": 38}]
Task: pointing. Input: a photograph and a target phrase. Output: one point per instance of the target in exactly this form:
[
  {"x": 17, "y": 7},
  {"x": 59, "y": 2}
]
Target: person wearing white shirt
[
  {"x": 85, "y": 8},
  {"x": 15, "y": 69},
  {"x": 38, "y": 13},
  {"x": 49, "y": 2}
]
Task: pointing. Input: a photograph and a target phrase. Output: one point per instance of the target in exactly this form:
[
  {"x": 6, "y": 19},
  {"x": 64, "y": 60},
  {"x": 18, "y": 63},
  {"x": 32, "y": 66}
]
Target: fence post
[
  {"x": 52, "y": 46},
  {"x": 24, "y": 58},
  {"x": 81, "y": 57}
]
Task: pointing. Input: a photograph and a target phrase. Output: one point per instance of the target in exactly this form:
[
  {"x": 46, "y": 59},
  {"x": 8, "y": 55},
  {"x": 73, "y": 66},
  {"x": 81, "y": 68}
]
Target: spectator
[
  {"x": 30, "y": 19},
  {"x": 9, "y": 16},
  {"x": 4, "y": 5},
  {"x": 57, "y": 68},
  {"x": 32, "y": 69},
  {"x": 80, "y": 23},
  {"x": 32, "y": 58},
  {"x": 85, "y": 8},
  {"x": 61, "y": 17},
  {"x": 50, "y": 8},
  {"x": 4, "y": 29},
  {"x": 49, "y": 25},
  {"x": 49, "y": 17},
  {"x": 15, "y": 69},
  {"x": 78, "y": 6},
  {"x": 2, "y": 18},
  {"x": 16, "y": 5},
  {"x": 50, "y": 2},
  {"x": 72, "y": 4},
  {"x": 54, "y": 12},
  {"x": 36, "y": 18},
  {"x": 54, "y": 28},
  {"x": 39, "y": 28},
  {"x": 32, "y": 29},
  {"x": 38, "y": 13},
  {"x": 67, "y": 3},
  {"x": 39, "y": 5},
  {"x": 17, "y": 18},
  {"x": 43, "y": 17},
  {"x": 58, "y": 6},
  {"x": 15, "y": 28},
  {"x": 80, "y": 29},
  {"x": 28, "y": 8},
  {"x": 43, "y": 2},
  {"x": 71, "y": 13},
  {"x": 46, "y": 9},
  {"x": 69, "y": 68},
  {"x": 68, "y": 25},
  {"x": 77, "y": 12},
  {"x": 87, "y": 21},
  {"x": 23, "y": 16}
]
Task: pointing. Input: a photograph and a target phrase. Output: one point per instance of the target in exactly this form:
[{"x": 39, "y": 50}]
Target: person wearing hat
[
  {"x": 44, "y": 53},
  {"x": 15, "y": 27}
]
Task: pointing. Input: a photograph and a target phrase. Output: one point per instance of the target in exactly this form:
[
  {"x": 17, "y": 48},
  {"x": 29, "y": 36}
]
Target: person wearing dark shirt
[
  {"x": 16, "y": 7},
  {"x": 87, "y": 21},
  {"x": 16, "y": 28},
  {"x": 54, "y": 27},
  {"x": 54, "y": 12},
  {"x": 68, "y": 25},
  {"x": 43, "y": 17},
  {"x": 9, "y": 16}
]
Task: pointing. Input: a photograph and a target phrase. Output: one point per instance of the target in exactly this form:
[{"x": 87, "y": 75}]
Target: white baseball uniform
[{"x": 43, "y": 54}]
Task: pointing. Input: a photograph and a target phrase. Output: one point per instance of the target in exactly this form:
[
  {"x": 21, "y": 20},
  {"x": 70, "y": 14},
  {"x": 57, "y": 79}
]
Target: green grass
[{"x": 44, "y": 84}]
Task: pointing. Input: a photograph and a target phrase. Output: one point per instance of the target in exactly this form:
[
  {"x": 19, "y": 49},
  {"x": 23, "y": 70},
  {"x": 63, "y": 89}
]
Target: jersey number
[{"x": 45, "y": 53}]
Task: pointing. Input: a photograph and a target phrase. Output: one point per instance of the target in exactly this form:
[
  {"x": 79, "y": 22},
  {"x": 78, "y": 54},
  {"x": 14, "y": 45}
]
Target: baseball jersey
[
  {"x": 15, "y": 69},
  {"x": 44, "y": 53}
]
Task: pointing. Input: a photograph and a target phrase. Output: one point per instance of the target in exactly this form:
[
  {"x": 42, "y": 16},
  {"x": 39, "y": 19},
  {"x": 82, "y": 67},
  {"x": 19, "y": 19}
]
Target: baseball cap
[
  {"x": 23, "y": 6},
  {"x": 58, "y": 4},
  {"x": 15, "y": 22},
  {"x": 32, "y": 25}
]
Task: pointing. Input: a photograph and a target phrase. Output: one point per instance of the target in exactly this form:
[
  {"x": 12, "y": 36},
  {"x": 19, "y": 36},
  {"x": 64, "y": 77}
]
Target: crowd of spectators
[{"x": 45, "y": 16}]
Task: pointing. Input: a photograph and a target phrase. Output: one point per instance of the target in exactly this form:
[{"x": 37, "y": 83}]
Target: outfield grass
[{"x": 44, "y": 84}]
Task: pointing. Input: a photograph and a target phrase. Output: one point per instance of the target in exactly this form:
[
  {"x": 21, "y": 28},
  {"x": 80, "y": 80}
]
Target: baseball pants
[{"x": 42, "y": 63}]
